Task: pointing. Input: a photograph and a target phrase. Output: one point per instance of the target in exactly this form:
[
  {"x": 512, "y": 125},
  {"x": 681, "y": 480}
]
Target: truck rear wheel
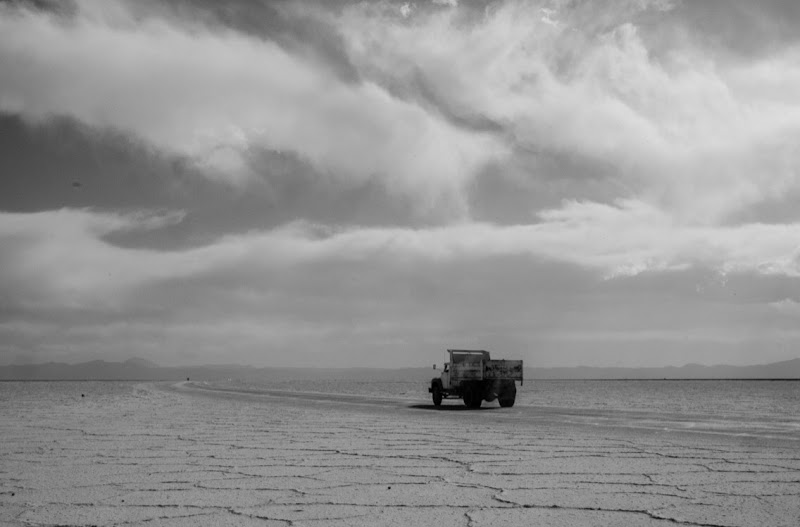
[
  {"x": 508, "y": 395},
  {"x": 507, "y": 403},
  {"x": 437, "y": 395}
]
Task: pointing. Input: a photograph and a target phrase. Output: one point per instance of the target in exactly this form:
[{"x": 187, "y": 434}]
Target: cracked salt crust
[{"x": 131, "y": 454}]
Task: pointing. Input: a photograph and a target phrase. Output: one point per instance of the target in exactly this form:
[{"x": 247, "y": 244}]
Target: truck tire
[
  {"x": 467, "y": 396},
  {"x": 436, "y": 390},
  {"x": 508, "y": 395},
  {"x": 473, "y": 397},
  {"x": 507, "y": 403}
]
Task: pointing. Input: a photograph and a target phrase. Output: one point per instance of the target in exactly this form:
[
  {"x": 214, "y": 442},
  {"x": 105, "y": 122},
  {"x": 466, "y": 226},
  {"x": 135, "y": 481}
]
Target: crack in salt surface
[{"x": 650, "y": 514}]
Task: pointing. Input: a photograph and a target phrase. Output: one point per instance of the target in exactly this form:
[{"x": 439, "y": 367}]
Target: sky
[{"x": 339, "y": 183}]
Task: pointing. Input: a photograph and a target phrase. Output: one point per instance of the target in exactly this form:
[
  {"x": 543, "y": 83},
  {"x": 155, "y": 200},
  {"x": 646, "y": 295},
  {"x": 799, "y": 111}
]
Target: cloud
[
  {"x": 696, "y": 134},
  {"x": 60, "y": 258},
  {"x": 65, "y": 256},
  {"x": 623, "y": 239},
  {"x": 369, "y": 293},
  {"x": 660, "y": 118},
  {"x": 786, "y": 307},
  {"x": 641, "y": 158},
  {"x": 214, "y": 96}
]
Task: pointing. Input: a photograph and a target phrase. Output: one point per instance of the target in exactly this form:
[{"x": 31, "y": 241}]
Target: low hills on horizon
[{"x": 145, "y": 370}]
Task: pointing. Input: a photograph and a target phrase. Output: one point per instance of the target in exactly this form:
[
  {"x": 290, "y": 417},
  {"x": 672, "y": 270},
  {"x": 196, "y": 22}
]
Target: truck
[{"x": 474, "y": 377}]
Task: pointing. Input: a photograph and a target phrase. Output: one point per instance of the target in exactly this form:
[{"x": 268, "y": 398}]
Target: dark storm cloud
[
  {"x": 66, "y": 164},
  {"x": 513, "y": 192},
  {"x": 62, "y": 7}
]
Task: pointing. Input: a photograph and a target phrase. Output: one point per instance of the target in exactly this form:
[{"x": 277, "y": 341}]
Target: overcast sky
[{"x": 337, "y": 183}]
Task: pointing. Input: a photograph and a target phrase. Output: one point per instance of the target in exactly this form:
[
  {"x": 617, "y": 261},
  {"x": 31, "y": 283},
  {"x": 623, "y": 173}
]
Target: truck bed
[{"x": 486, "y": 370}]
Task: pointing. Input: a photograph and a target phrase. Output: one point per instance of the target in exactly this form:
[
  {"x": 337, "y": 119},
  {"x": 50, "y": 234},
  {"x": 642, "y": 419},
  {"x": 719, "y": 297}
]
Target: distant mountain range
[{"x": 141, "y": 369}]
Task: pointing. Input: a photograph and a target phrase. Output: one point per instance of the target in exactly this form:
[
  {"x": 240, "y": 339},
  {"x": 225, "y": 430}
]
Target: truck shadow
[{"x": 451, "y": 408}]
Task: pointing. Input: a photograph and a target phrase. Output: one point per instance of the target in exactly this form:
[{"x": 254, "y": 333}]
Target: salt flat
[{"x": 187, "y": 455}]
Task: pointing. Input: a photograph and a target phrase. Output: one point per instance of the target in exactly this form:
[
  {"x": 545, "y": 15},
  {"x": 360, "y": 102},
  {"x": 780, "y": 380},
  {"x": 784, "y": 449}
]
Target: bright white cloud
[
  {"x": 60, "y": 259},
  {"x": 700, "y": 138},
  {"x": 624, "y": 239}
]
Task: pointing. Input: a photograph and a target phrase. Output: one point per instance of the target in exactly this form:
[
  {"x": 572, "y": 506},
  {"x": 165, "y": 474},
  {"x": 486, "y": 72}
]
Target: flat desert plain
[{"x": 186, "y": 454}]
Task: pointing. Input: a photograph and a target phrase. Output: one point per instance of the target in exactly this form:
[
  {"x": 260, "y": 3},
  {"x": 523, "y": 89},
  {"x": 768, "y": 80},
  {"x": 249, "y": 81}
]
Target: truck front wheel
[{"x": 437, "y": 395}]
